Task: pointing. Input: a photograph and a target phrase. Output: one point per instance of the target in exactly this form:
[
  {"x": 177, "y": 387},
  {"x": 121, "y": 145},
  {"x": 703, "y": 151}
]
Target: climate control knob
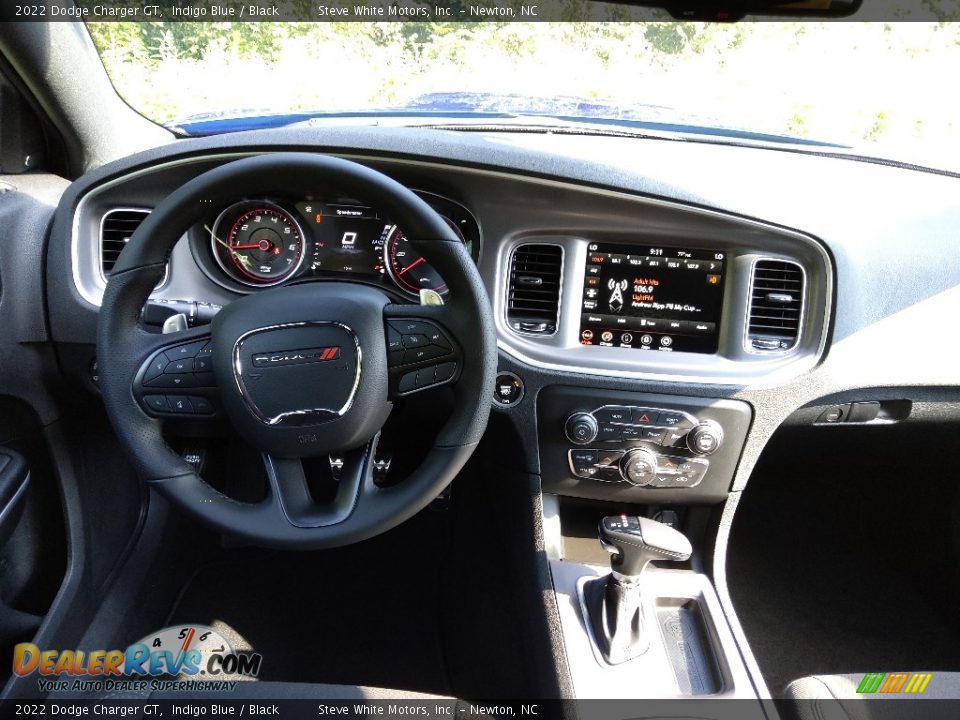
[
  {"x": 581, "y": 428},
  {"x": 705, "y": 438},
  {"x": 639, "y": 467}
]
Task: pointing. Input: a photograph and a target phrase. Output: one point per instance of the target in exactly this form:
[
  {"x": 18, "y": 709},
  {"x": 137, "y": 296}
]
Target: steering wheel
[{"x": 300, "y": 370}]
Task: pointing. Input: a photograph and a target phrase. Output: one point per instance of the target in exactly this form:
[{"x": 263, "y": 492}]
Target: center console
[
  {"x": 666, "y": 293},
  {"x": 638, "y": 447}
]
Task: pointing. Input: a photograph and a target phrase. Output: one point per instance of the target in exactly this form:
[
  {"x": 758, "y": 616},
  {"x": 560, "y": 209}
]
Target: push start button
[{"x": 508, "y": 389}]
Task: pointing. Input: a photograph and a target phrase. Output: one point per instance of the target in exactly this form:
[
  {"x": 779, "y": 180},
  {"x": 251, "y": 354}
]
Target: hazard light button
[{"x": 645, "y": 416}]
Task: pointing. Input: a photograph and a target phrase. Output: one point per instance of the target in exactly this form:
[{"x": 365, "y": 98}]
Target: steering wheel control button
[
  {"x": 179, "y": 366},
  {"x": 408, "y": 382},
  {"x": 180, "y": 404},
  {"x": 179, "y": 380},
  {"x": 190, "y": 350},
  {"x": 201, "y": 406},
  {"x": 203, "y": 363},
  {"x": 438, "y": 338},
  {"x": 422, "y": 354},
  {"x": 414, "y": 341},
  {"x": 426, "y": 377},
  {"x": 445, "y": 372},
  {"x": 157, "y": 403},
  {"x": 394, "y": 340},
  {"x": 507, "y": 389},
  {"x": 581, "y": 428},
  {"x": 156, "y": 367}
]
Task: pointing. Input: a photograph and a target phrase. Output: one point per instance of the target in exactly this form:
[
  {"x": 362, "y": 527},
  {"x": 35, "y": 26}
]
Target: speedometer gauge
[
  {"x": 408, "y": 268},
  {"x": 257, "y": 243}
]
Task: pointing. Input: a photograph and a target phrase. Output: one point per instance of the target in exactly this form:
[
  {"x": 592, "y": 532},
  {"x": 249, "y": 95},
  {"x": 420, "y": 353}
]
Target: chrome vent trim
[
  {"x": 116, "y": 227},
  {"x": 534, "y": 288},
  {"x": 776, "y": 308}
]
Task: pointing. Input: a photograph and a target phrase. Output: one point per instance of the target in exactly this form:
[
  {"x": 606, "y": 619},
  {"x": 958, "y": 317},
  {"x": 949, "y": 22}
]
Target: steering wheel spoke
[
  {"x": 176, "y": 379},
  {"x": 290, "y": 488},
  {"x": 422, "y": 352}
]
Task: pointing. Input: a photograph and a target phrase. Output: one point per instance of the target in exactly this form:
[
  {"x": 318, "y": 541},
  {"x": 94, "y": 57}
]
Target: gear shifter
[{"x": 614, "y": 602}]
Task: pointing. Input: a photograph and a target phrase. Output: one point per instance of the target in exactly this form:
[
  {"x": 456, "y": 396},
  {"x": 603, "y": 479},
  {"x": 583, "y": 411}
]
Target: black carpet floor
[
  {"x": 367, "y": 614},
  {"x": 848, "y": 563}
]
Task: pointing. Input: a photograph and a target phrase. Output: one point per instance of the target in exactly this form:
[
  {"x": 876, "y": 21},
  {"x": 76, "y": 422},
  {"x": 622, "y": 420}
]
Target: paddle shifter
[{"x": 613, "y": 602}]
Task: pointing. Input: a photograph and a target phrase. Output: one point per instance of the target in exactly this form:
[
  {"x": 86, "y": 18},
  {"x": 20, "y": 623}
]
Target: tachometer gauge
[
  {"x": 408, "y": 268},
  {"x": 258, "y": 243}
]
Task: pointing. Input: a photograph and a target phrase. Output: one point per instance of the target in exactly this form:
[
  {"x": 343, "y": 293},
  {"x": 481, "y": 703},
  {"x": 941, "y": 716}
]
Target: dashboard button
[
  {"x": 203, "y": 363},
  {"x": 672, "y": 419},
  {"x": 583, "y": 457},
  {"x": 613, "y": 414},
  {"x": 608, "y": 431},
  {"x": 674, "y": 438},
  {"x": 645, "y": 416},
  {"x": 584, "y": 462},
  {"x": 609, "y": 473},
  {"x": 654, "y": 435},
  {"x": 508, "y": 389},
  {"x": 609, "y": 457},
  {"x": 632, "y": 432}
]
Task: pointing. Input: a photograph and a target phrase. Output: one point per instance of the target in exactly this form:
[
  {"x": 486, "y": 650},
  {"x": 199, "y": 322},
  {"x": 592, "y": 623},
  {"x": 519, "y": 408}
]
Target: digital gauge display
[{"x": 260, "y": 243}]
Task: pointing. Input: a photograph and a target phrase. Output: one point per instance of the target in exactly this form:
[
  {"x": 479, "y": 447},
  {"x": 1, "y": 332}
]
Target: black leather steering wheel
[{"x": 300, "y": 370}]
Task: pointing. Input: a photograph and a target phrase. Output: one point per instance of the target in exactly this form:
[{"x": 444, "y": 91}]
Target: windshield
[{"x": 859, "y": 84}]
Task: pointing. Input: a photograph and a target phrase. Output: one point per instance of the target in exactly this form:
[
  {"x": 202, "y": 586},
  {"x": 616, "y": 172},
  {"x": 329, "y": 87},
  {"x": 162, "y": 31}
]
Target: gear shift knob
[{"x": 635, "y": 541}]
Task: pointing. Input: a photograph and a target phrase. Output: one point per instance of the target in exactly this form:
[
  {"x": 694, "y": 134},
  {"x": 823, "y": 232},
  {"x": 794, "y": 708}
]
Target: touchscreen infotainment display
[{"x": 665, "y": 299}]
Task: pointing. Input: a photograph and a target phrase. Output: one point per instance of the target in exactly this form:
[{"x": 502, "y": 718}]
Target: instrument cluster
[{"x": 261, "y": 242}]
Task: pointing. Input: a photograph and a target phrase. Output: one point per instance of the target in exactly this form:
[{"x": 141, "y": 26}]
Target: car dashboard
[{"x": 657, "y": 315}]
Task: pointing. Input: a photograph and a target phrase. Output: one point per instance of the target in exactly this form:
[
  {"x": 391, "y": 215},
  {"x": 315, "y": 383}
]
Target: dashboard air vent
[
  {"x": 533, "y": 296},
  {"x": 776, "y": 306},
  {"x": 115, "y": 230}
]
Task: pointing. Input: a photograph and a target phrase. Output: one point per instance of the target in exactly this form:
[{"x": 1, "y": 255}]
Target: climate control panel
[
  {"x": 639, "y": 467},
  {"x": 668, "y": 428},
  {"x": 609, "y": 444}
]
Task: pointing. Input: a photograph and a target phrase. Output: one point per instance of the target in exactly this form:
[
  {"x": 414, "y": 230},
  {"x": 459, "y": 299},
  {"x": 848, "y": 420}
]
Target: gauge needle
[
  {"x": 412, "y": 265},
  {"x": 207, "y": 228}
]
